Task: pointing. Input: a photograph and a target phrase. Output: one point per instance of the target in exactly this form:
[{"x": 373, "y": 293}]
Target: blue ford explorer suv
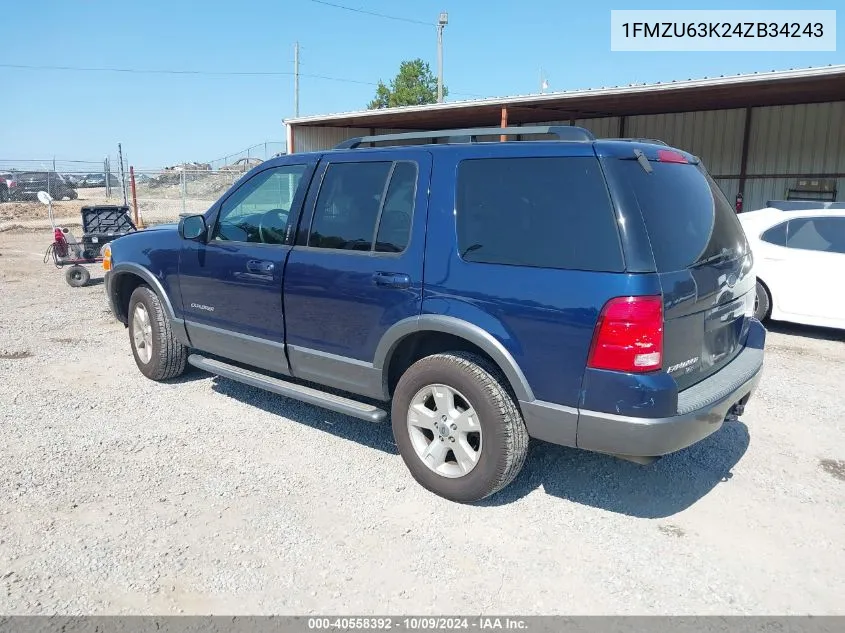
[{"x": 591, "y": 293}]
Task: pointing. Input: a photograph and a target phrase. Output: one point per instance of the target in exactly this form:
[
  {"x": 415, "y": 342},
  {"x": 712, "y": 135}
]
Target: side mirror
[{"x": 193, "y": 227}]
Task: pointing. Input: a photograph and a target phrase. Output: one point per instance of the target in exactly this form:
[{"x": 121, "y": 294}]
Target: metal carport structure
[{"x": 759, "y": 134}]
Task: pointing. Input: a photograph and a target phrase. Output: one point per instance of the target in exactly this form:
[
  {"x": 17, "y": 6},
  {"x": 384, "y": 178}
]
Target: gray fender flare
[
  {"x": 153, "y": 282},
  {"x": 462, "y": 329}
]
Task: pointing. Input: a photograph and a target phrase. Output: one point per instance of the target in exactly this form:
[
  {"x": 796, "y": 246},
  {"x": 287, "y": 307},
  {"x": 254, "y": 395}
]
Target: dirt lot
[
  {"x": 120, "y": 495},
  {"x": 155, "y": 206}
]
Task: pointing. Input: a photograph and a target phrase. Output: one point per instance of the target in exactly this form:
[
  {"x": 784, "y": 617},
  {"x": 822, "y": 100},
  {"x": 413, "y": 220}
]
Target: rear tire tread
[
  {"x": 762, "y": 294},
  {"x": 514, "y": 434}
]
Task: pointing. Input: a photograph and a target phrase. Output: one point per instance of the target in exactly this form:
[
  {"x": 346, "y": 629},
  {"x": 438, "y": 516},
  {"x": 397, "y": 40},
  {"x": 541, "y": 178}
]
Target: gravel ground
[{"x": 120, "y": 495}]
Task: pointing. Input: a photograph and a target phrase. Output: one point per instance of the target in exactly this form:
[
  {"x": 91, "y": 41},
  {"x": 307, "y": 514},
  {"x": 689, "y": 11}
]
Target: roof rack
[{"x": 470, "y": 135}]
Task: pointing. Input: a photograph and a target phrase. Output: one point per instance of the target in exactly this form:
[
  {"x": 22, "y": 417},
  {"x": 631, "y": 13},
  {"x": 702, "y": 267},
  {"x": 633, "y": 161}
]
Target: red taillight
[
  {"x": 629, "y": 335},
  {"x": 668, "y": 156}
]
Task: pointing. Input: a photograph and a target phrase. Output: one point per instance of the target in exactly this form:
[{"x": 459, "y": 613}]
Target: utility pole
[
  {"x": 122, "y": 175},
  {"x": 296, "y": 79},
  {"x": 442, "y": 21}
]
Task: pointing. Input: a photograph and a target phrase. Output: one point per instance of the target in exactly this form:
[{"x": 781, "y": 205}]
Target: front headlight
[{"x": 107, "y": 257}]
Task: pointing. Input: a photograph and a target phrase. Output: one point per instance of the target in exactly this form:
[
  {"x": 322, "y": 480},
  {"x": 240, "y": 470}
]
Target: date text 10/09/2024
[{"x": 417, "y": 624}]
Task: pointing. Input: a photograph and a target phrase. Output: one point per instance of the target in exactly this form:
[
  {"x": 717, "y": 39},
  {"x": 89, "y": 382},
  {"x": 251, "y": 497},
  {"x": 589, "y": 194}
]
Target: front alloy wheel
[
  {"x": 142, "y": 333},
  {"x": 158, "y": 354}
]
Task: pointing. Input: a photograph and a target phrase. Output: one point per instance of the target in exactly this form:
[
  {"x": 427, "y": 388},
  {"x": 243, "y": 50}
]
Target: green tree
[{"x": 414, "y": 85}]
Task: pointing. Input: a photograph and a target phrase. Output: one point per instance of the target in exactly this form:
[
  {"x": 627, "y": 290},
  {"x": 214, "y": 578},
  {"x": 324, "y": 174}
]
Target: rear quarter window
[{"x": 547, "y": 212}]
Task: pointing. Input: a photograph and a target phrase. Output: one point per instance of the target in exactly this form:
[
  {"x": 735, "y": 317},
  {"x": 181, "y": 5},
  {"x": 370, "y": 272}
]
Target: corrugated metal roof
[{"x": 608, "y": 91}]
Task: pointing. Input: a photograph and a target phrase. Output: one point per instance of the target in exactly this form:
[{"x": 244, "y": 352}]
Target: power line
[
  {"x": 147, "y": 71},
  {"x": 351, "y": 81},
  {"x": 163, "y": 71},
  {"x": 389, "y": 17},
  {"x": 373, "y": 13}
]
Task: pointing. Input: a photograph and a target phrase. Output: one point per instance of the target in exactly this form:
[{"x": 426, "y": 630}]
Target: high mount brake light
[
  {"x": 629, "y": 335},
  {"x": 668, "y": 156}
]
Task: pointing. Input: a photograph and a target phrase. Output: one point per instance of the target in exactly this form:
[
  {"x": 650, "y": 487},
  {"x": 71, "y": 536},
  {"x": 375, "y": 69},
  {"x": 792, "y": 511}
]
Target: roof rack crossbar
[{"x": 470, "y": 135}]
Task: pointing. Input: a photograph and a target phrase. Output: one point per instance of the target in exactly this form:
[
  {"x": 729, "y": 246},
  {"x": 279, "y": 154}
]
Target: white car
[{"x": 799, "y": 260}]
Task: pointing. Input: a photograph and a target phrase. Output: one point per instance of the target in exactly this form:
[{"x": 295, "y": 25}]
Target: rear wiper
[
  {"x": 469, "y": 249},
  {"x": 722, "y": 254},
  {"x": 643, "y": 161}
]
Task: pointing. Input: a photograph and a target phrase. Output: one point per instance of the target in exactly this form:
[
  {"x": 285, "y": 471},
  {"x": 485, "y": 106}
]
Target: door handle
[
  {"x": 260, "y": 266},
  {"x": 392, "y": 280}
]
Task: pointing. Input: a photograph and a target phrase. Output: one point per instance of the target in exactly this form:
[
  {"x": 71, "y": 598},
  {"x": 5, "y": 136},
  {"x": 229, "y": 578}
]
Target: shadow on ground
[
  {"x": 659, "y": 490},
  {"x": 191, "y": 375},
  {"x": 378, "y": 436},
  {"x": 666, "y": 487},
  {"x": 807, "y": 331},
  {"x": 93, "y": 281}
]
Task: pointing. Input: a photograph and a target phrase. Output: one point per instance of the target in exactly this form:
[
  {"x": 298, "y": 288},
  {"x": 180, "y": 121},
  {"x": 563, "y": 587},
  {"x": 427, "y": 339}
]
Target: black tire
[
  {"x": 77, "y": 276},
  {"x": 4, "y": 194},
  {"x": 169, "y": 357},
  {"x": 762, "y": 302},
  {"x": 505, "y": 439}
]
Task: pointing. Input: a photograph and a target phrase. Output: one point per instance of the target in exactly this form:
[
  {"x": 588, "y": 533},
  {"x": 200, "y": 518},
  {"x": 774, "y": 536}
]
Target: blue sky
[{"x": 492, "y": 48}]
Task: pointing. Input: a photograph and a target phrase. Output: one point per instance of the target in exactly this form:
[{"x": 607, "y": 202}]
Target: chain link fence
[
  {"x": 162, "y": 195},
  {"x": 249, "y": 156}
]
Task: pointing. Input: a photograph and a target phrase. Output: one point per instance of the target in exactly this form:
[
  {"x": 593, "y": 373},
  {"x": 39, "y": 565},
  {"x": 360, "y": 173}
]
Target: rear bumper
[{"x": 701, "y": 411}]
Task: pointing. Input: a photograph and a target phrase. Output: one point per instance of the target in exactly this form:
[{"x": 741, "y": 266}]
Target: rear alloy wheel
[
  {"x": 444, "y": 430},
  {"x": 762, "y": 302},
  {"x": 457, "y": 427}
]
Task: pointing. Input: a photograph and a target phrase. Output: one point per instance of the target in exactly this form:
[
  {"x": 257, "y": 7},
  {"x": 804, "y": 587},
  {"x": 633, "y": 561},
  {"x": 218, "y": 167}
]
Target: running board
[{"x": 297, "y": 392}]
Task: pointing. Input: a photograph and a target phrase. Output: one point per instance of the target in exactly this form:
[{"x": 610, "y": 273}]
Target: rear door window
[
  {"x": 826, "y": 235},
  {"x": 775, "y": 235},
  {"x": 356, "y": 198},
  {"x": 547, "y": 212},
  {"x": 394, "y": 227},
  {"x": 688, "y": 219}
]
